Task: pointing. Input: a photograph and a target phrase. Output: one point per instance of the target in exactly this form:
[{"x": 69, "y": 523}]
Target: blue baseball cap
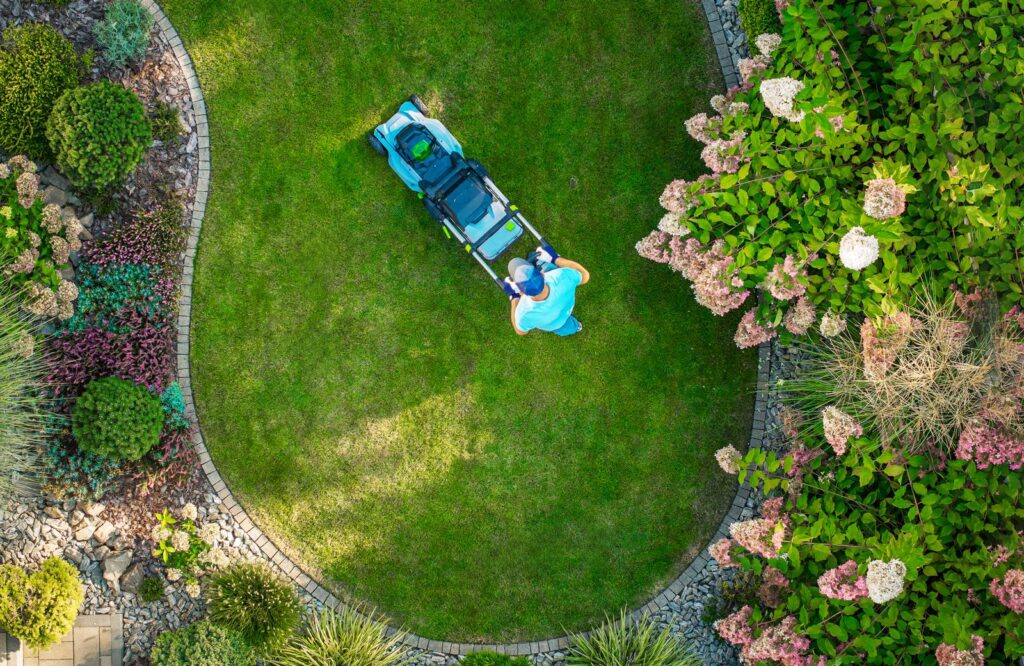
[{"x": 527, "y": 277}]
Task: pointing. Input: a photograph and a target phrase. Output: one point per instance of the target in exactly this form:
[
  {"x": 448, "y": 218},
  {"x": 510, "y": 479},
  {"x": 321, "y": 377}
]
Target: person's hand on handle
[
  {"x": 546, "y": 253},
  {"x": 511, "y": 289}
]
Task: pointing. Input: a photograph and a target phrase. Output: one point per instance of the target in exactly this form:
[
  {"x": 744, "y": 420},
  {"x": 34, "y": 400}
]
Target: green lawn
[{"x": 358, "y": 382}]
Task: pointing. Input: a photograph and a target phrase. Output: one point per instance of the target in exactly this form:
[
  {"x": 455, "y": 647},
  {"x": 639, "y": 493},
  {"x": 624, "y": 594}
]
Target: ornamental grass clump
[
  {"x": 628, "y": 641},
  {"x": 23, "y": 417},
  {"x": 347, "y": 638},
  {"x": 117, "y": 419},
  {"x": 99, "y": 133},
  {"x": 40, "y": 607},
  {"x": 253, "y": 600},
  {"x": 37, "y": 66}
]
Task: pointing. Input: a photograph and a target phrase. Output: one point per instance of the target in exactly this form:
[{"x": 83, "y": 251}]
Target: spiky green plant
[
  {"x": 343, "y": 638},
  {"x": 628, "y": 642},
  {"x": 253, "y": 600},
  {"x": 22, "y": 413}
]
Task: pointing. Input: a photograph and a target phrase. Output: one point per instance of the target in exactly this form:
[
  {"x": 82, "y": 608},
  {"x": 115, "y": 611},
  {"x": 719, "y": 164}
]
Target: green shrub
[
  {"x": 72, "y": 473},
  {"x": 490, "y": 658},
  {"x": 151, "y": 589},
  {"x": 99, "y": 133},
  {"x": 123, "y": 34},
  {"x": 758, "y": 17},
  {"x": 117, "y": 419},
  {"x": 201, "y": 644},
  {"x": 628, "y": 642},
  {"x": 166, "y": 122},
  {"x": 346, "y": 637},
  {"x": 22, "y": 420},
  {"x": 37, "y": 66},
  {"x": 39, "y": 608},
  {"x": 252, "y": 599}
]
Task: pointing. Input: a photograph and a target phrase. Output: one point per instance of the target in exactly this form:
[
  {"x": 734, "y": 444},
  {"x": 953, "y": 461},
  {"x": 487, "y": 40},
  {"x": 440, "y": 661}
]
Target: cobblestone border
[{"x": 270, "y": 551}]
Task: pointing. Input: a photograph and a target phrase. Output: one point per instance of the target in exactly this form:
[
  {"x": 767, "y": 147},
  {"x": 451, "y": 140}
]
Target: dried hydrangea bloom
[
  {"x": 41, "y": 300},
  {"x": 65, "y": 310},
  {"x": 858, "y": 250},
  {"x": 718, "y": 103},
  {"x": 61, "y": 250},
  {"x": 832, "y": 325},
  {"x": 160, "y": 533},
  {"x": 1009, "y": 590},
  {"x": 884, "y": 199},
  {"x": 701, "y": 127},
  {"x": 773, "y": 582},
  {"x": 34, "y": 240},
  {"x": 729, "y": 459},
  {"x": 174, "y": 575},
  {"x": 784, "y": 280},
  {"x": 180, "y": 541},
  {"x": 193, "y": 590},
  {"x": 1000, "y": 555},
  {"x": 189, "y": 511},
  {"x": 760, "y": 536},
  {"x": 67, "y": 291},
  {"x": 885, "y": 580},
  {"x": 21, "y": 164},
  {"x": 839, "y": 428},
  {"x": 208, "y": 532},
  {"x": 750, "y": 334},
  {"x": 881, "y": 342},
  {"x": 780, "y": 643},
  {"x": 24, "y": 346},
  {"x": 653, "y": 247},
  {"x": 721, "y": 552},
  {"x": 736, "y": 628},
  {"x": 714, "y": 286},
  {"x": 25, "y": 262},
  {"x": 790, "y": 420},
  {"x": 669, "y": 223},
  {"x": 950, "y": 655},
  {"x": 843, "y": 583},
  {"x": 767, "y": 42},
  {"x": 779, "y": 96},
  {"x": 53, "y": 221},
  {"x": 5, "y": 172},
  {"x": 28, "y": 187},
  {"x": 800, "y": 316},
  {"x": 737, "y": 108}
]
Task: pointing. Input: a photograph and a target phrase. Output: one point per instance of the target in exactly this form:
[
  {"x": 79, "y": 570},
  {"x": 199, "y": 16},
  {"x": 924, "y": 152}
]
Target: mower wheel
[
  {"x": 420, "y": 106},
  {"x": 375, "y": 143}
]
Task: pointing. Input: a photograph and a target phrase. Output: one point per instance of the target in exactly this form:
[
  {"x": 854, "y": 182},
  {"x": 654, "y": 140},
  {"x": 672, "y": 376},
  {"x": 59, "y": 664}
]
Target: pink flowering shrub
[
  {"x": 987, "y": 445},
  {"x": 1009, "y": 590},
  {"x": 949, "y": 655},
  {"x": 843, "y": 582},
  {"x": 721, "y": 552}
]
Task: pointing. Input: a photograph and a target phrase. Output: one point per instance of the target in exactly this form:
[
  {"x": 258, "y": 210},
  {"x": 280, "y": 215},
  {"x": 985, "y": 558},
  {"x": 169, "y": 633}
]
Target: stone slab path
[{"x": 95, "y": 640}]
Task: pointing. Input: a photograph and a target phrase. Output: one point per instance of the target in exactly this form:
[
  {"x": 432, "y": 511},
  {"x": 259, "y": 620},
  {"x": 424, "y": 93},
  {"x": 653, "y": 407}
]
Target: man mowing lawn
[{"x": 548, "y": 285}]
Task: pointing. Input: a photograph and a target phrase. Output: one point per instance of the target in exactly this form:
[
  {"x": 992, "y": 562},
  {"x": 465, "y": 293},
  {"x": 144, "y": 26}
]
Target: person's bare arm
[
  {"x": 562, "y": 262},
  {"x": 515, "y": 302}
]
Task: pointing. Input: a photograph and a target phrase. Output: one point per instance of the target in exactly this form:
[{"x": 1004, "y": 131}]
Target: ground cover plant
[
  {"x": 871, "y": 147},
  {"x": 201, "y": 644},
  {"x": 411, "y": 450},
  {"x": 124, "y": 32}
]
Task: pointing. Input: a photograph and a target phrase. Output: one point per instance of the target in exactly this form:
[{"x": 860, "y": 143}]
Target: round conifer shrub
[
  {"x": 37, "y": 66},
  {"x": 41, "y": 607},
  {"x": 99, "y": 134},
  {"x": 123, "y": 34},
  {"x": 201, "y": 644},
  {"x": 117, "y": 419}
]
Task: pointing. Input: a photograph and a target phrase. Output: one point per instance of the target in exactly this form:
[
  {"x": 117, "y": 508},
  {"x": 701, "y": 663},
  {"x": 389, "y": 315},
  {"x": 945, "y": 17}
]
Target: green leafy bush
[
  {"x": 117, "y": 419},
  {"x": 76, "y": 474},
  {"x": 491, "y": 658},
  {"x": 41, "y": 607},
  {"x": 151, "y": 589},
  {"x": 252, "y": 599},
  {"x": 37, "y": 66},
  {"x": 166, "y": 122},
  {"x": 628, "y": 641},
  {"x": 346, "y": 637},
  {"x": 99, "y": 133},
  {"x": 866, "y": 156},
  {"x": 123, "y": 34},
  {"x": 22, "y": 419},
  {"x": 201, "y": 644},
  {"x": 757, "y": 18}
]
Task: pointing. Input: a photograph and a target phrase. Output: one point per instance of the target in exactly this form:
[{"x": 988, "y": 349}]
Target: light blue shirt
[{"x": 551, "y": 313}]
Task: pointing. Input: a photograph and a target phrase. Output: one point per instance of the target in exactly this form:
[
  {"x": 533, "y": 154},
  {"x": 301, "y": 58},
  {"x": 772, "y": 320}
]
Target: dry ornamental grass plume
[{"x": 918, "y": 379}]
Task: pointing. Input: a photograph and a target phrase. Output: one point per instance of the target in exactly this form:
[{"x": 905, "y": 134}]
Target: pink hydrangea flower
[
  {"x": 773, "y": 582},
  {"x": 772, "y": 508},
  {"x": 736, "y": 628},
  {"x": 654, "y": 247},
  {"x": 1009, "y": 590},
  {"x": 701, "y": 127},
  {"x": 760, "y": 536},
  {"x": 721, "y": 552},
  {"x": 749, "y": 66},
  {"x": 784, "y": 280},
  {"x": 843, "y": 583},
  {"x": 839, "y": 428},
  {"x": 989, "y": 445},
  {"x": 950, "y": 655},
  {"x": 800, "y": 317},
  {"x": 680, "y": 195},
  {"x": 780, "y": 643},
  {"x": 723, "y": 155},
  {"x": 750, "y": 333},
  {"x": 884, "y": 199}
]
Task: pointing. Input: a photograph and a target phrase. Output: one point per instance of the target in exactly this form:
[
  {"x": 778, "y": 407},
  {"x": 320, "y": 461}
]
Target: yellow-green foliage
[{"x": 41, "y": 607}]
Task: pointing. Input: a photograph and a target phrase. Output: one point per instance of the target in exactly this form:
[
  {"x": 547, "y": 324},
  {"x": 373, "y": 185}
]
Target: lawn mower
[{"x": 457, "y": 192}]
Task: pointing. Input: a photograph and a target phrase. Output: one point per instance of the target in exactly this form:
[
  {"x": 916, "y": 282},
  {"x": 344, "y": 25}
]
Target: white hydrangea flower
[
  {"x": 832, "y": 325},
  {"x": 174, "y": 575},
  {"x": 767, "y": 42},
  {"x": 160, "y": 533},
  {"x": 858, "y": 250},
  {"x": 729, "y": 459},
  {"x": 180, "y": 541},
  {"x": 779, "y": 95},
  {"x": 209, "y": 532},
  {"x": 718, "y": 103},
  {"x": 670, "y": 225},
  {"x": 193, "y": 590},
  {"x": 885, "y": 580},
  {"x": 189, "y": 512}
]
